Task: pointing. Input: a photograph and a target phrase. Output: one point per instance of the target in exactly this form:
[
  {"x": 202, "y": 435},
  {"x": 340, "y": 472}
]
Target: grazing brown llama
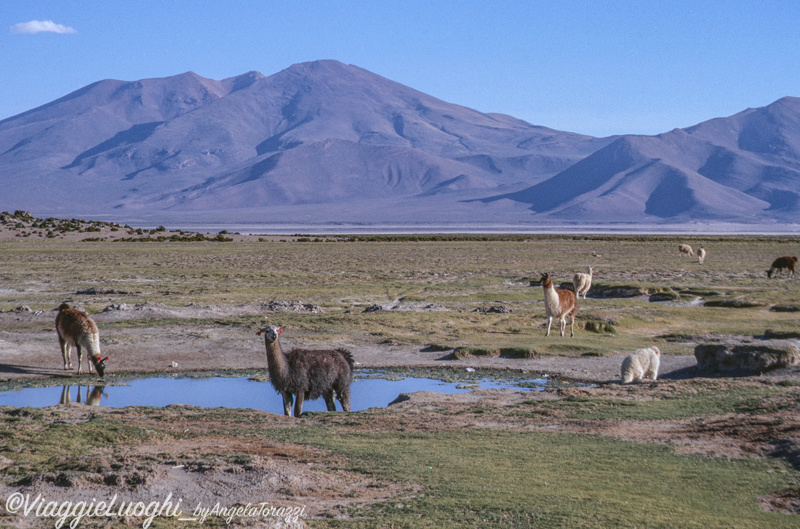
[
  {"x": 685, "y": 249},
  {"x": 559, "y": 303},
  {"x": 781, "y": 263},
  {"x": 308, "y": 374},
  {"x": 76, "y": 329}
]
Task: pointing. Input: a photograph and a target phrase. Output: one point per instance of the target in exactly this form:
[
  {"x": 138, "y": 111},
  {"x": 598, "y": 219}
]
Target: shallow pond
[{"x": 369, "y": 389}]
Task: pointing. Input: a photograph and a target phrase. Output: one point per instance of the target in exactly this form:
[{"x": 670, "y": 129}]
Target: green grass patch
[
  {"x": 695, "y": 399},
  {"x": 495, "y": 478},
  {"x": 461, "y": 353},
  {"x": 467, "y": 352}
]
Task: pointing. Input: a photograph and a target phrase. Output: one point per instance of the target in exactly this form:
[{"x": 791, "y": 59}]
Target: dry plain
[{"x": 725, "y": 448}]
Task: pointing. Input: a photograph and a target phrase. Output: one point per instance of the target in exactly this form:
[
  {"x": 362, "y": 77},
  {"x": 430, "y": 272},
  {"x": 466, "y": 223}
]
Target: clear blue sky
[{"x": 594, "y": 67}]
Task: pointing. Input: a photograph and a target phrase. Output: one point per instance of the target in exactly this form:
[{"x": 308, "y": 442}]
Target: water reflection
[
  {"x": 239, "y": 392},
  {"x": 92, "y": 397}
]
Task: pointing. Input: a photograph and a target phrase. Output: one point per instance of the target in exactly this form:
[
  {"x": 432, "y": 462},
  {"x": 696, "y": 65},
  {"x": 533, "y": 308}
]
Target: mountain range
[{"x": 324, "y": 143}]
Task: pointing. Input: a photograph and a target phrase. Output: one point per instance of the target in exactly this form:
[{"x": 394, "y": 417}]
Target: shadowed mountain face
[{"x": 326, "y": 142}]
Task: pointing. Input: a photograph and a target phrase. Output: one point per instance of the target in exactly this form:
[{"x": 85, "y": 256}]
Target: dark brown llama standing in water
[
  {"x": 305, "y": 374},
  {"x": 76, "y": 329}
]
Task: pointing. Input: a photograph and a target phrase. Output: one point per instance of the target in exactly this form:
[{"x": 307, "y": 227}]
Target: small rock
[
  {"x": 401, "y": 398},
  {"x": 496, "y": 309}
]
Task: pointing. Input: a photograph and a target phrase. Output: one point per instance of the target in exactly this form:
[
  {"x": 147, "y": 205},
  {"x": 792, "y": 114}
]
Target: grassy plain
[
  {"x": 684, "y": 453},
  {"x": 417, "y": 277}
]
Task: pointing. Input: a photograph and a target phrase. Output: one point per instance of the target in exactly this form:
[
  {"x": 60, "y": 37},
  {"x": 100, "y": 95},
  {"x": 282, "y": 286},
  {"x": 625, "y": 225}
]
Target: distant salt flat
[{"x": 404, "y": 229}]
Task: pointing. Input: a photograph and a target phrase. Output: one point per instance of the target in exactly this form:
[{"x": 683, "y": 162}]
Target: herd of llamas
[{"x": 302, "y": 374}]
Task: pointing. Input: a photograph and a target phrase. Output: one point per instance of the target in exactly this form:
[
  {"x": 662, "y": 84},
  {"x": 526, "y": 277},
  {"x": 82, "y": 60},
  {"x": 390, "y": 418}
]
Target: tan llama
[{"x": 76, "y": 329}]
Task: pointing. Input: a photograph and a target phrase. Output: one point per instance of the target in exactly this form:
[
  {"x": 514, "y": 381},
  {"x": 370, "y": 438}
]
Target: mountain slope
[
  {"x": 745, "y": 168},
  {"x": 316, "y": 132}
]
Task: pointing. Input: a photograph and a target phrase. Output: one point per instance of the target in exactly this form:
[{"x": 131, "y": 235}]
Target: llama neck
[
  {"x": 551, "y": 301},
  {"x": 276, "y": 361},
  {"x": 93, "y": 346},
  {"x": 550, "y": 291}
]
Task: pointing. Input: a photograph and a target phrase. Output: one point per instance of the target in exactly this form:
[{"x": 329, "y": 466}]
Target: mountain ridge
[{"x": 325, "y": 136}]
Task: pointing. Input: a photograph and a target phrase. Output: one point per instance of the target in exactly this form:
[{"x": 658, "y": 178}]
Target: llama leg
[
  {"x": 549, "y": 323},
  {"x": 562, "y": 322},
  {"x": 329, "y": 402},
  {"x": 287, "y": 403},
  {"x": 572, "y": 325},
  {"x": 344, "y": 398},
  {"x": 65, "y": 350},
  {"x": 298, "y": 404},
  {"x": 80, "y": 356}
]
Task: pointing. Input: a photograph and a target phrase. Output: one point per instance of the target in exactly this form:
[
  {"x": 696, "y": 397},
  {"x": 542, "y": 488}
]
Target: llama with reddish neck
[
  {"x": 304, "y": 374},
  {"x": 559, "y": 303}
]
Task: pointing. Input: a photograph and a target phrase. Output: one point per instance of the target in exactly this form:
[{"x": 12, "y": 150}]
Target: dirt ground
[
  {"x": 32, "y": 351},
  {"x": 289, "y": 476}
]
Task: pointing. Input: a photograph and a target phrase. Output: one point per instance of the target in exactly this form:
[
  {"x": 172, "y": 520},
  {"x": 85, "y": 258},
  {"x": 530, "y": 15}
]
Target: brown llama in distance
[
  {"x": 76, "y": 329},
  {"x": 559, "y": 303},
  {"x": 304, "y": 374},
  {"x": 782, "y": 263}
]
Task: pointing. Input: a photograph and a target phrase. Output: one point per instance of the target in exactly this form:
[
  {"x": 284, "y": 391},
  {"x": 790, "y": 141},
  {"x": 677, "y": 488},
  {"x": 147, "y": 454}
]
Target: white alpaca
[
  {"x": 582, "y": 283},
  {"x": 685, "y": 249},
  {"x": 701, "y": 254},
  {"x": 642, "y": 363},
  {"x": 559, "y": 303}
]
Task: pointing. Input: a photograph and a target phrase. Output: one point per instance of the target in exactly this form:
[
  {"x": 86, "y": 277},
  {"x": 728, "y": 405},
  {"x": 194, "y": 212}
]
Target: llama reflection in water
[{"x": 92, "y": 397}]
